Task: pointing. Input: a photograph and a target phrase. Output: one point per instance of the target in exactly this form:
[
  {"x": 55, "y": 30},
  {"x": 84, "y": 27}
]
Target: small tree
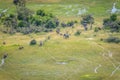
[
  {"x": 33, "y": 42},
  {"x": 41, "y": 13},
  {"x": 10, "y": 22},
  {"x": 113, "y": 17},
  {"x": 23, "y": 13},
  {"x": 87, "y": 19},
  {"x": 112, "y": 23},
  {"x": 77, "y": 33}
]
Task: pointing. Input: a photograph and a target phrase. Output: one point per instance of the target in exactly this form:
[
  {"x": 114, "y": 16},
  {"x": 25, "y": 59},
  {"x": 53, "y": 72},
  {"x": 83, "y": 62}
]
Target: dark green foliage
[
  {"x": 12, "y": 16},
  {"x": 46, "y": 19},
  {"x": 113, "y": 40},
  {"x": 96, "y": 29},
  {"x": 41, "y": 13},
  {"x": 77, "y": 33},
  {"x": 106, "y": 21},
  {"x": 10, "y": 22},
  {"x": 20, "y": 17},
  {"x": 58, "y": 30},
  {"x": 33, "y": 42},
  {"x": 112, "y": 23},
  {"x": 19, "y": 2},
  {"x": 15, "y": 2},
  {"x": 71, "y": 23},
  {"x": 63, "y": 24},
  {"x": 50, "y": 24},
  {"x": 113, "y": 17},
  {"x": 26, "y": 22},
  {"x": 56, "y": 22},
  {"x": 22, "y": 24},
  {"x": 101, "y": 39},
  {"x": 38, "y": 22},
  {"x": 87, "y": 19},
  {"x": 75, "y": 21}
]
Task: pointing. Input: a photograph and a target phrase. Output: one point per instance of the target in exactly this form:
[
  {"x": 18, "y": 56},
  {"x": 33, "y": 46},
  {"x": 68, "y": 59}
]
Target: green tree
[
  {"x": 87, "y": 19},
  {"x": 23, "y": 13},
  {"x": 113, "y": 17}
]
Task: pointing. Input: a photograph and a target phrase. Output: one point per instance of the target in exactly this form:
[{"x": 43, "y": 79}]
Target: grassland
[
  {"x": 66, "y": 8},
  {"x": 75, "y": 58},
  {"x": 59, "y": 59}
]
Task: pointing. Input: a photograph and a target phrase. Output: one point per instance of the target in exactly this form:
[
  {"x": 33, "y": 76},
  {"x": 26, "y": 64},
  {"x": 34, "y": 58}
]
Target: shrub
[
  {"x": 113, "y": 17},
  {"x": 50, "y": 24},
  {"x": 71, "y": 23},
  {"x": 63, "y": 24},
  {"x": 96, "y": 29},
  {"x": 20, "y": 16},
  {"x": 22, "y": 24},
  {"x": 38, "y": 22},
  {"x": 113, "y": 40},
  {"x": 33, "y": 42},
  {"x": 77, "y": 33},
  {"x": 117, "y": 40},
  {"x": 112, "y": 23},
  {"x": 75, "y": 21},
  {"x": 41, "y": 13},
  {"x": 57, "y": 22},
  {"x": 101, "y": 39},
  {"x": 12, "y": 16}
]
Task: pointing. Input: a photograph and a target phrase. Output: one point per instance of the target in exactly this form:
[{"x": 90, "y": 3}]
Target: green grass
[
  {"x": 80, "y": 54},
  {"x": 43, "y": 63},
  {"x": 67, "y": 8}
]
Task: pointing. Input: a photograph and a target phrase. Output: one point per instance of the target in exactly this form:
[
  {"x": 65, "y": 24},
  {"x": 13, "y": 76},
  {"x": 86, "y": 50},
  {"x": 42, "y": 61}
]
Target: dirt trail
[{"x": 95, "y": 70}]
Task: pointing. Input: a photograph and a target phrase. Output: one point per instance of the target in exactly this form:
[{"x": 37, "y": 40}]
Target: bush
[
  {"x": 112, "y": 23},
  {"x": 77, "y": 33},
  {"x": 41, "y": 13},
  {"x": 50, "y": 24},
  {"x": 33, "y": 42},
  {"x": 12, "y": 16},
  {"x": 63, "y": 24},
  {"x": 20, "y": 17},
  {"x": 101, "y": 39},
  {"x": 117, "y": 40},
  {"x": 113, "y": 40},
  {"x": 71, "y": 23},
  {"x": 113, "y": 17},
  {"x": 22, "y": 24},
  {"x": 38, "y": 22},
  {"x": 96, "y": 29},
  {"x": 75, "y": 21}
]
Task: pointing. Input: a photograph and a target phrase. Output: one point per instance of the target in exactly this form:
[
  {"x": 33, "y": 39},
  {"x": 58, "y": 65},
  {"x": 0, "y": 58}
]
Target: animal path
[
  {"x": 109, "y": 56},
  {"x": 2, "y": 62},
  {"x": 95, "y": 70},
  {"x": 117, "y": 68}
]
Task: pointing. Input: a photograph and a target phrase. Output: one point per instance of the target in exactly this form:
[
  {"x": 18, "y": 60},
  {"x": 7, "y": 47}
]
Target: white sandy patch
[
  {"x": 90, "y": 38},
  {"x": 95, "y": 70},
  {"x": 117, "y": 68},
  {"x": 63, "y": 63},
  {"x": 2, "y": 62},
  {"x": 81, "y": 11}
]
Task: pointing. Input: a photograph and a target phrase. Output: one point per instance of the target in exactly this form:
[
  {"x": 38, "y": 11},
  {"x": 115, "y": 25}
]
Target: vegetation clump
[
  {"x": 87, "y": 20},
  {"x": 96, "y": 29},
  {"x": 33, "y": 42},
  {"x": 77, "y": 33},
  {"x": 26, "y": 21},
  {"x": 112, "y": 23},
  {"x": 113, "y": 40}
]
